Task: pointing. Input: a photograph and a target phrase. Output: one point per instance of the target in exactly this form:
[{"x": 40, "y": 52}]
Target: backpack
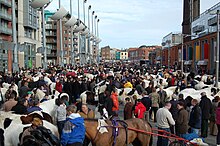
[{"x": 41, "y": 136}]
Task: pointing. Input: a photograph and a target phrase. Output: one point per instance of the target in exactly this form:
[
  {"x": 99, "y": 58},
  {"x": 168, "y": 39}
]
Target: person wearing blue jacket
[{"x": 73, "y": 133}]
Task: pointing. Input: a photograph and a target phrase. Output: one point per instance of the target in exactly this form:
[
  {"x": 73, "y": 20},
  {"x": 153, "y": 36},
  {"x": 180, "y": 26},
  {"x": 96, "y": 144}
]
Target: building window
[
  {"x": 65, "y": 38},
  {"x": 30, "y": 19},
  {"x": 65, "y": 45}
]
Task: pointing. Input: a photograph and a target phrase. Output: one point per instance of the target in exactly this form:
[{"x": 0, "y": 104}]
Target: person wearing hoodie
[
  {"x": 139, "y": 110},
  {"x": 73, "y": 133},
  {"x": 115, "y": 107}
]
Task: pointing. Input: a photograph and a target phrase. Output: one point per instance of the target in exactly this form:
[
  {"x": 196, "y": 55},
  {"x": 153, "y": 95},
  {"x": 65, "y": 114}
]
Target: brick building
[
  {"x": 136, "y": 54},
  {"x": 6, "y": 53}
]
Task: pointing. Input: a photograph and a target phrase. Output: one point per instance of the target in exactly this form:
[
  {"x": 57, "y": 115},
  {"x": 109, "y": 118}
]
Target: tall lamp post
[
  {"x": 89, "y": 35},
  {"x": 168, "y": 42},
  {"x": 217, "y": 52},
  {"x": 42, "y": 4},
  {"x": 15, "y": 66}
]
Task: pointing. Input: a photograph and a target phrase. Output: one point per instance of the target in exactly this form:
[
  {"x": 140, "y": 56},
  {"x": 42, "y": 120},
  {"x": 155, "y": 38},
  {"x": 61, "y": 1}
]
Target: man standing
[
  {"x": 146, "y": 101},
  {"x": 74, "y": 130},
  {"x": 182, "y": 120},
  {"x": 206, "y": 108},
  {"x": 164, "y": 120}
]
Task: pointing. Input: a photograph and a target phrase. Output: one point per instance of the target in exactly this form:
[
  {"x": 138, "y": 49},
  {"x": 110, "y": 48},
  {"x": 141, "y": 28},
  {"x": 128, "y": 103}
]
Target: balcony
[
  {"x": 5, "y": 16},
  {"x": 198, "y": 28},
  {"x": 212, "y": 21},
  {"x": 5, "y": 30},
  {"x": 51, "y": 34},
  {"x": 6, "y": 2},
  {"x": 52, "y": 55},
  {"x": 48, "y": 41}
]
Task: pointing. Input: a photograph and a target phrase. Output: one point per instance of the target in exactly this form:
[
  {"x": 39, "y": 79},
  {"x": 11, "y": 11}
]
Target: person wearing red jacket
[
  {"x": 58, "y": 86},
  {"x": 115, "y": 107},
  {"x": 139, "y": 110}
]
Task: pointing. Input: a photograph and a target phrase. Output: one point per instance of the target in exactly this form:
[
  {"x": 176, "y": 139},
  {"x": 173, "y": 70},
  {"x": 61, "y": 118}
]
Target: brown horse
[{"x": 107, "y": 139}]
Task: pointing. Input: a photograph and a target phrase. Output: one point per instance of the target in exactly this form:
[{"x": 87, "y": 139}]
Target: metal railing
[
  {"x": 5, "y": 30},
  {"x": 6, "y": 2},
  {"x": 5, "y": 15}
]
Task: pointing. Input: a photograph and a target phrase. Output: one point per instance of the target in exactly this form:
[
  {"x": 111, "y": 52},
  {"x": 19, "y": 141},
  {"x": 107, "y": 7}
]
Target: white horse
[
  {"x": 196, "y": 94},
  {"x": 11, "y": 133}
]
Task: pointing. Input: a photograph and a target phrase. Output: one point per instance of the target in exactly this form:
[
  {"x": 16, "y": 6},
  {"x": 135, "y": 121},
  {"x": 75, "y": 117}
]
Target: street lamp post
[
  {"x": 92, "y": 44},
  {"x": 89, "y": 35},
  {"x": 84, "y": 36},
  {"x": 182, "y": 54},
  {"x": 61, "y": 38},
  {"x": 41, "y": 5},
  {"x": 95, "y": 57},
  {"x": 44, "y": 39},
  {"x": 15, "y": 67},
  {"x": 217, "y": 52}
]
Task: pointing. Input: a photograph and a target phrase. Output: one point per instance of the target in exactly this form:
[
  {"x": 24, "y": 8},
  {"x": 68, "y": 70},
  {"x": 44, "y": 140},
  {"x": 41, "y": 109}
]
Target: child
[{"x": 60, "y": 114}]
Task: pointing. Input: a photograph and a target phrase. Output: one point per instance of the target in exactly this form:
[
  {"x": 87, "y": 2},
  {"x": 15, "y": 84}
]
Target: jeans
[
  {"x": 60, "y": 125},
  {"x": 194, "y": 130},
  {"x": 161, "y": 140}
]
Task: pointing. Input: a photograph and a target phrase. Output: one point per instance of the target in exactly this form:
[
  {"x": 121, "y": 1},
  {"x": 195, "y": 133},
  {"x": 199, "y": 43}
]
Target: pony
[
  {"x": 15, "y": 125},
  {"x": 124, "y": 137}
]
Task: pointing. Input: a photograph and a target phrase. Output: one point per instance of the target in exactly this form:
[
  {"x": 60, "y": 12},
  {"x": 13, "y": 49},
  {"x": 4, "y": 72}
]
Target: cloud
[{"x": 130, "y": 23}]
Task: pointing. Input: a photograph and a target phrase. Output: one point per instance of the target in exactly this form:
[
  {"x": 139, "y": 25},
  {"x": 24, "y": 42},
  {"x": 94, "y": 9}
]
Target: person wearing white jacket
[{"x": 164, "y": 120}]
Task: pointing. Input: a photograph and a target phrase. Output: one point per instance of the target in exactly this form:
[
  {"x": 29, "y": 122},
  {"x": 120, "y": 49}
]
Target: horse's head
[
  {"x": 99, "y": 88},
  {"x": 90, "y": 98},
  {"x": 29, "y": 118}
]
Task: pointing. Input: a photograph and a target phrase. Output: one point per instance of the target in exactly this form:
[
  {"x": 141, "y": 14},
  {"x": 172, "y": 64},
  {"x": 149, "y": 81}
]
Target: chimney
[{"x": 191, "y": 11}]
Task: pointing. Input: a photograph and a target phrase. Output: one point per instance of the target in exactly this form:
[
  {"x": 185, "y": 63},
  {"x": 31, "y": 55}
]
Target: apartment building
[
  {"x": 53, "y": 41},
  {"x": 105, "y": 53},
  {"x": 6, "y": 55},
  {"x": 28, "y": 33}
]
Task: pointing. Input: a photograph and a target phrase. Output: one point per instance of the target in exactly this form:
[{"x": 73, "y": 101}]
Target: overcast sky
[{"x": 132, "y": 23}]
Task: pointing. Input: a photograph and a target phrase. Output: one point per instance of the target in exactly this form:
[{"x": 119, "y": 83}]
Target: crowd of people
[{"x": 177, "y": 114}]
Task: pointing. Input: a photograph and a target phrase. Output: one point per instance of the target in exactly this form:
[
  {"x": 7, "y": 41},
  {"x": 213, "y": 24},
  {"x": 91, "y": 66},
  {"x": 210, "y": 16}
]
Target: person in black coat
[
  {"x": 20, "y": 107},
  {"x": 108, "y": 103},
  {"x": 67, "y": 88},
  {"x": 195, "y": 117},
  {"x": 206, "y": 107},
  {"x": 146, "y": 101}
]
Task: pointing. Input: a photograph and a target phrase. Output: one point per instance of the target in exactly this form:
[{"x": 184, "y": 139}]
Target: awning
[
  {"x": 202, "y": 62},
  {"x": 188, "y": 62}
]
